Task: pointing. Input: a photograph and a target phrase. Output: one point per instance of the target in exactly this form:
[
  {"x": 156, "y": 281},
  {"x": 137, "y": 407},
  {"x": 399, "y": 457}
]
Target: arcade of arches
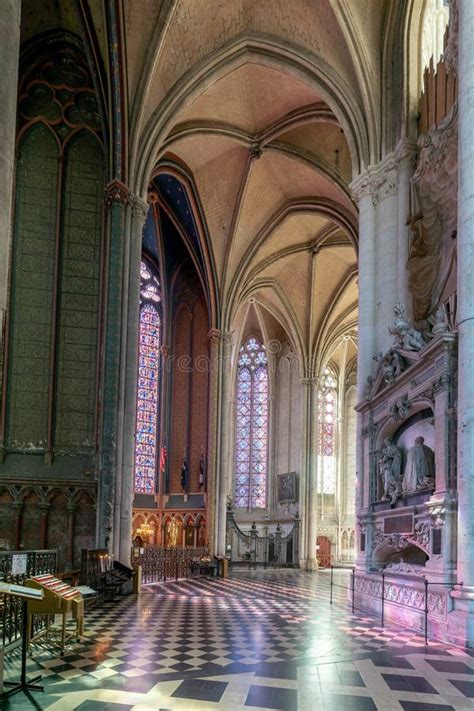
[{"x": 235, "y": 289}]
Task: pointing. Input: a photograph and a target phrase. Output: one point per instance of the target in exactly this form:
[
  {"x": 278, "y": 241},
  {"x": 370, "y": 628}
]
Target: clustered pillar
[{"x": 463, "y": 621}]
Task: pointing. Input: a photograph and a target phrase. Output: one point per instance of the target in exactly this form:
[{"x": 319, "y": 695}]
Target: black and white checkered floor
[{"x": 260, "y": 640}]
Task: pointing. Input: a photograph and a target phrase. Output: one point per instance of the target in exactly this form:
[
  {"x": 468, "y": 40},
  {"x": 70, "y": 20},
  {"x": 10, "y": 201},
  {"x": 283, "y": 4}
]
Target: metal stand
[{"x": 24, "y": 684}]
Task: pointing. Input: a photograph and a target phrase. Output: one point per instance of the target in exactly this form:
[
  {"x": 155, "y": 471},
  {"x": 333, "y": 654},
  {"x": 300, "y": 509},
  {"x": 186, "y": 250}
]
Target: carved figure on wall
[
  {"x": 391, "y": 364},
  {"x": 420, "y": 468},
  {"x": 440, "y": 324},
  {"x": 172, "y": 531},
  {"x": 390, "y": 467},
  {"x": 407, "y": 338},
  {"x": 394, "y": 361}
]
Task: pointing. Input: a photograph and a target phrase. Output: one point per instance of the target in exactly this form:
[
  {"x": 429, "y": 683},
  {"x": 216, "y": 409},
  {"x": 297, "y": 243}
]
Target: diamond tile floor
[{"x": 260, "y": 640}]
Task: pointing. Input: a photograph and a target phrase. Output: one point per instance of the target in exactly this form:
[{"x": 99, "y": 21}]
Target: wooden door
[{"x": 323, "y": 553}]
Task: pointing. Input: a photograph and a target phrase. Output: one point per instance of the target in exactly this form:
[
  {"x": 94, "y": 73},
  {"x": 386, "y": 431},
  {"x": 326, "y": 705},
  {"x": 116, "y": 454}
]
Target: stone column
[
  {"x": 303, "y": 484},
  {"x": 128, "y": 381},
  {"x": 362, "y": 189},
  {"x": 70, "y": 508},
  {"x": 462, "y": 625},
  {"x": 9, "y": 54},
  {"x": 117, "y": 200},
  {"x": 312, "y": 481},
  {"x": 211, "y": 468},
  {"x": 17, "y": 507},
  {"x": 385, "y": 201},
  {"x": 44, "y": 508},
  {"x": 225, "y": 436}
]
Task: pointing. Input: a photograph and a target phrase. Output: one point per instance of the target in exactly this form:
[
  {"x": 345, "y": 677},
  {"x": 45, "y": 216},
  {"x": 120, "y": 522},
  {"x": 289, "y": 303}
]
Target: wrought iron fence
[
  {"x": 11, "y": 609},
  {"x": 162, "y": 564}
]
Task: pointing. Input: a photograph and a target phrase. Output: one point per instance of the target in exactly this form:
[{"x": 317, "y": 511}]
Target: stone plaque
[
  {"x": 436, "y": 541},
  {"x": 398, "y": 524}
]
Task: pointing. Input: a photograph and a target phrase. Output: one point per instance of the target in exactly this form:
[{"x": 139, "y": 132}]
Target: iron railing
[
  {"x": 11, "y": 608},
  {"x": 424, "y": 609},
  {"x": 161, "y": 564}
]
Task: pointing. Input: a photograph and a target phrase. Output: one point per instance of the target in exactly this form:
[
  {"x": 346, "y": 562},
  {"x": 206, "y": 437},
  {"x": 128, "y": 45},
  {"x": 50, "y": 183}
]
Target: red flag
[{"x": 163, "y": 455}]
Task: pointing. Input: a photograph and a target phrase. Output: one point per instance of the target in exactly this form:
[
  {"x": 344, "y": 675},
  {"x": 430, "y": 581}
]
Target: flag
[
  {"x": 184, "y": 474},
  {"x": 163, "y": 456},
  {"x": 202, "y": 477}
]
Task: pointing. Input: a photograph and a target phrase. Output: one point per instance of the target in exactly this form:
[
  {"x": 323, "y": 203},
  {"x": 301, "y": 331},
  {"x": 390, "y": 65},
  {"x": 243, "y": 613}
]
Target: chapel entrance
[{"x": 323, "y": 551}]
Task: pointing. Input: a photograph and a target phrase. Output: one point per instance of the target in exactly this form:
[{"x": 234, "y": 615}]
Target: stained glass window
[
  {"x": 326, "y": 432},
  {"x": 146, "y": 434},
  {"x": 251, "y": 440}
]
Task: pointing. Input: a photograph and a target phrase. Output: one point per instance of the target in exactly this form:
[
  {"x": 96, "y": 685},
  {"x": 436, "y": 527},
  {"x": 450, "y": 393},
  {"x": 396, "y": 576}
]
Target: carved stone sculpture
[
  {"x": 390, "y": 467},
  {"x": 407, "y": 338},
  {"x": 440, "y": 325},
  {"x": 391, "y": 364},
  {"x": 420, "y": 467}
]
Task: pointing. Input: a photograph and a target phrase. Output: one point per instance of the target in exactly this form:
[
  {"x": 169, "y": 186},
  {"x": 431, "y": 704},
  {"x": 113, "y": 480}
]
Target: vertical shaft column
[
  {"x": 362, "y": 190},
  {"x": 70, "y": 508},
  {"x": 117, "y": 199},
  {"x": 466, "y": 295},
  {"x": 9, "y": 54},
  {"x": 128, "y": 382},
  {"x": 226, "y": 409},
  {"x": 17, "y": 507},
  {"x": 213, "y": 430},
  {"x": 312, "y": 482},
  {"x": 385, "y": 200},
  {"x": 44, "y": 508}
]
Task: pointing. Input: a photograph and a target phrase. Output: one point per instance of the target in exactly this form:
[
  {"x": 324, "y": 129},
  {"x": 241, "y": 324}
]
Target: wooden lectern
[{"x": 58, "y": 598}]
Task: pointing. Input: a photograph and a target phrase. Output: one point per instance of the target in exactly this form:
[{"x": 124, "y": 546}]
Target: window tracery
[
  {"x": 146, "y": 432},
  {"x": 251, "y": 441},
  {"x": 327, "y": 401}
]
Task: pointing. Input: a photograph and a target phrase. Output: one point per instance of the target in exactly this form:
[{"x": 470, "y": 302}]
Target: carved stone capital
[
  {"x": 381, "y": 180},
  {"x": 361, "y": 186},
  {"x": 385, "y": 181},
  {"x": 44, "y": 507},
  {"x": 218, "y": 338},
  {"x": 116, "y": 193}
]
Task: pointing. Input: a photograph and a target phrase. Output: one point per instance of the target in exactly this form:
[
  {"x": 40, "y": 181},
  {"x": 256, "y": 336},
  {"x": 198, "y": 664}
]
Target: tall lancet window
[
  {"x": 326, "y": 432},
  {"x": 251, "y": 437},
  {"x": 146, "y": 434}
]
